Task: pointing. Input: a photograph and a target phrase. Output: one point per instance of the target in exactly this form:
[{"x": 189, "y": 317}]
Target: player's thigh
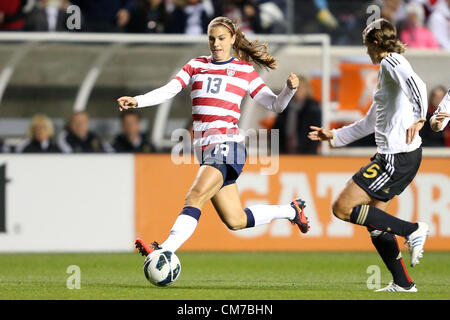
[
  {"x": 206, "y": 184},
  {"x": 351, "y": 196},
  {"x": 228, "y": 205}
]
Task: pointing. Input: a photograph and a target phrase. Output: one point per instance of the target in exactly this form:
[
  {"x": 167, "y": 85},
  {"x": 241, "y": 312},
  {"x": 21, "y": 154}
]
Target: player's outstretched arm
[
  {"x": 273, "y": 102},
  {"x": 151, "y": 98}
]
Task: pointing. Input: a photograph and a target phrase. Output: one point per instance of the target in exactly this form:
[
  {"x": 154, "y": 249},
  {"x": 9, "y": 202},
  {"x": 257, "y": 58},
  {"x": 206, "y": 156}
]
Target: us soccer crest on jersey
[{"x": 231, "y": 71}]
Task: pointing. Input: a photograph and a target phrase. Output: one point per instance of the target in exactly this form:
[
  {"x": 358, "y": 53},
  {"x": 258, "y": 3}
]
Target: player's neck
[{"x": 383, "y": 55}]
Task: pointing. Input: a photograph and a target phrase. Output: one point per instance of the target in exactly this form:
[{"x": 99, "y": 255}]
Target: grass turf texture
[{"x": 218, "y": 275}]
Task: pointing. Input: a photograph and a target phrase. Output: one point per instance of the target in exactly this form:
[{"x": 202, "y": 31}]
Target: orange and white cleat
[
  {"x": 145, "y": 249},
  {"x": 300, "y": 219}
]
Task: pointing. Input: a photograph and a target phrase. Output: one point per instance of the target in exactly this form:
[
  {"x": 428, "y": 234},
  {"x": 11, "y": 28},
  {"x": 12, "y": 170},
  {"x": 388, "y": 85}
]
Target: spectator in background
[
  {"x": 39, "y": 137},
  {"x": 429, "y": 137},
  {"x": 104, "y": 15},
  {"x": 415, "y": 34},
  {"x": 392, "y": 10},
  {"x": 272, "y": 17},
  {"x": 324, "y": 16},
  {"x": 439, "y": 23},
  {"x": 48, "y": 15},
  {"x": 303, "y": 111},
  {"x": 148, "y": 16},
  {"x": 77, "y": 138},
  {"x": 245, "y": 13},
  {"x": 12, "y": 14},
  {"x": 4, "y": 148},
  {"x": 190, "y": 16},
  {"x": 131, "y": 139}
]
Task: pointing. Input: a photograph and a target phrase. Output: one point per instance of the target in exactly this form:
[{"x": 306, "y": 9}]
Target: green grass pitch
[{"x": 218, "y": 275}]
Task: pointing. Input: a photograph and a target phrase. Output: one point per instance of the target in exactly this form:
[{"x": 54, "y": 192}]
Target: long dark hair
[{"x": 250, "y": 51}]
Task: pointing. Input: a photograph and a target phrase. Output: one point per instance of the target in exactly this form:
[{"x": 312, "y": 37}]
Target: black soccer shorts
[{"x": 388, "y": 174}]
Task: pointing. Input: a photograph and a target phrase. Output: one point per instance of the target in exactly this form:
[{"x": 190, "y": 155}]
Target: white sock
[
  {"x": 182, "y": 229},
  {"x": 264, "y": 213}
]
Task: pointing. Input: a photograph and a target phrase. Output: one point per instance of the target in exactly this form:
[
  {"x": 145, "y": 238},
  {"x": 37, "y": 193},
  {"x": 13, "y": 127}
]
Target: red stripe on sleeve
[
  {"x": 181, "y": 81},
  {"x": 255, "y": 92},
  {"x": 189, "y": 70}
]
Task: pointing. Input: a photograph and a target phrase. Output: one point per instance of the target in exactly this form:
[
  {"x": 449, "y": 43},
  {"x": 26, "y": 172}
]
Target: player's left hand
[
  {"x": 412, "y": 131},
  {"x": 292, "y": 82}
]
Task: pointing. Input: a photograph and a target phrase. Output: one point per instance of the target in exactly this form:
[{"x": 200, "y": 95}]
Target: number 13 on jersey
[{"x": 214, "y": 85}]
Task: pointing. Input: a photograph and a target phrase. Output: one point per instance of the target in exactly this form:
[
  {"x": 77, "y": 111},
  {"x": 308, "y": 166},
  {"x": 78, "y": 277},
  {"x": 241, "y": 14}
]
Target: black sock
[
  {"x": 375, "y": 218},
  {"x": 387, "y": 247}
]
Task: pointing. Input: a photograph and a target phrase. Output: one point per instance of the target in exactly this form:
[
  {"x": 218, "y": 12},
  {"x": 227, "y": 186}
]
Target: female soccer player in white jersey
[
  {"x": 396, "y": 116},
  {"x": 219, "y": 83},
  {"x": 441, "y": 116}
]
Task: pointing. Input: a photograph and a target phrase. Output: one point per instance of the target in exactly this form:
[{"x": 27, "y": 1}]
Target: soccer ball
[{"x": 162, "y": 267}]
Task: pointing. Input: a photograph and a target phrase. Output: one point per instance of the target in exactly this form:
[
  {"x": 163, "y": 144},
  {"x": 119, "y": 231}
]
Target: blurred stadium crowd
[
  {"x": 77, "y": 137},
  {"x": 421, "y": 23}
]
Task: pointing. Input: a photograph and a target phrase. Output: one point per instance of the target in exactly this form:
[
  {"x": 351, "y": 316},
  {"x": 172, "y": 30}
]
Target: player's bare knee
[
  {"x": 235, "y": 224},
  {"x": 340, "y": 211},
  {"x": 234, "y": 227}
]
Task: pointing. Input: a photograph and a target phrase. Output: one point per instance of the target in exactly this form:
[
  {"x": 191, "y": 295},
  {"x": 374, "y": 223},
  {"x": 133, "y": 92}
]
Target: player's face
[{"x": 220, "y": 43}]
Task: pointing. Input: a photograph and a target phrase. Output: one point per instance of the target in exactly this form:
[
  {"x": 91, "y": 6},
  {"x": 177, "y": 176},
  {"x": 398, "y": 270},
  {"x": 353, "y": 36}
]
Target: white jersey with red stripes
[{"x": 217, "y": 92}]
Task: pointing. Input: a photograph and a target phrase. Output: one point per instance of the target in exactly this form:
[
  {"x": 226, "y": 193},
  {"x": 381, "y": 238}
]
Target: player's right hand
[
  {"x": 440, "y": 117},
  {"x": 127, "y": 103},
  {"x": 320, "y": 134}
]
